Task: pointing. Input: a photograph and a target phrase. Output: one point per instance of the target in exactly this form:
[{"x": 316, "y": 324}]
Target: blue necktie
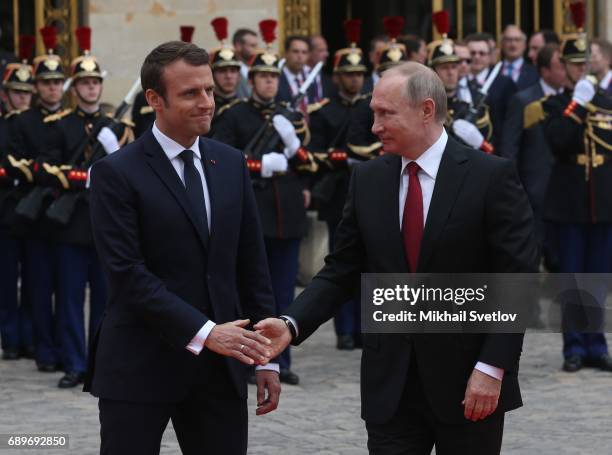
[{"x": 195, "y": 191}]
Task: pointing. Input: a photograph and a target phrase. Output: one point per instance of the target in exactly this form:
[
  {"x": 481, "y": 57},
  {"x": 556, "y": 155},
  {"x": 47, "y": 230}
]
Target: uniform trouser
[
  {"x": 15, "y": 310},
  {"x": 348, "y": 319},
  {"x": 283, "y": 260},
  {"x": 40, "y": 264},
  {"x": 77, "y": 266},
  {"x": 585, "y": 248}
]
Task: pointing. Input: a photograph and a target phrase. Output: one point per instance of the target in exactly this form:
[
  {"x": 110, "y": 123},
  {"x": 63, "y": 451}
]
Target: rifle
[{"x": 62, "y": 209}]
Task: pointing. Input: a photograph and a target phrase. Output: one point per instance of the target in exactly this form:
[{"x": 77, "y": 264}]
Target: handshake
[{"x": 251, "y": 347}]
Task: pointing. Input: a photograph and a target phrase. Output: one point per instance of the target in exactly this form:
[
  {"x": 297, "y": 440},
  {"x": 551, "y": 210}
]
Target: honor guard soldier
[
  {"x": 15, "y": 305},
  {"x": 226, "y": 72},
  {"x": 469, "y": 124},
  {"x": 329, "y": 122},
  {"x": 78, "y": 139},
  {"x": 143, "y": 115},
  {"x": 271, "y": 137},
  {"x": 362, "y": 143},
  {"x": 29, "y": 139},
  {"x": 578, "y": 126}
]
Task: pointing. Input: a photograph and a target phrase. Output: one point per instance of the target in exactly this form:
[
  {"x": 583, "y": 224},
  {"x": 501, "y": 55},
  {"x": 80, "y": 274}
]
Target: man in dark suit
[
  {"x": 521, "y": 71},
  {"x": 500, "y": 91},
  {"x": 428, "y": 205},
  {"x": 295, "y": 72},
  {"x": 524, "y": 142},
  {"x": 177, "y": 231}
]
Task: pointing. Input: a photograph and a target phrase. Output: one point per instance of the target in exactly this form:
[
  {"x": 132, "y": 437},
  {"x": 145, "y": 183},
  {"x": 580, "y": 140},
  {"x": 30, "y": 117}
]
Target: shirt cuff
[
  {"x": 494, "y": 372},
  {"x": 268, "y": 366},
  {"x": 196, "y": 344},
  {"x": 297, "y": 331}
]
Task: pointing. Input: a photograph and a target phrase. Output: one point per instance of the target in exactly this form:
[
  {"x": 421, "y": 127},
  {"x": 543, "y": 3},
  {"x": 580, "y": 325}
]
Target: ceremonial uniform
[
  {"x": 29, "y": 139},
  {"x": 579, "y": 202},
  {"x": 279, "y": 195},
  {"x": 74, "y": 146},
  {"x": 15, "y": 306}
]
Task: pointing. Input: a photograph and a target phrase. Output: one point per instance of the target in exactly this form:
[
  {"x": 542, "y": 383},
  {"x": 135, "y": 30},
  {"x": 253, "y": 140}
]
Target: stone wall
[{"x": 124, "y": 31}]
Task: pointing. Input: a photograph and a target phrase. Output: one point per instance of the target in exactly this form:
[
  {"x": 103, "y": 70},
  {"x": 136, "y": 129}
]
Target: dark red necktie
[{"x": 412, "y": 219}]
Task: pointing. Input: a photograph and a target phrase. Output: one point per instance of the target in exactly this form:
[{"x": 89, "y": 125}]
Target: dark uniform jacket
[
  {"x": 68, "y": 133},
  {"x": 330, "y": 120},
  {"x": 361, "y": 142},
  {"x": 143, "y": 115},
  {"x": 280, "y": 198},
  {"x": 580, "y": 188}
]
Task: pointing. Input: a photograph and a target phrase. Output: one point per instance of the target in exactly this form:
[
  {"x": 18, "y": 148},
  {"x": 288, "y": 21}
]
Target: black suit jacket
[
  {"x": 165, "y": 280},
  {"x": 497, "y": 99},
  {"x": 479, "y": 220},
  {"x": 527, "y": 77},
  {"x": 529, "y": 149},
  {"x": 285, "y": 94}
]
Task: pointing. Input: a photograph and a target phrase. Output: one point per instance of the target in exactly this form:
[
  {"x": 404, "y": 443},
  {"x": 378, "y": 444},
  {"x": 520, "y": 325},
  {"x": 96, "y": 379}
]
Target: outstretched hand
[
  {"x": 277, "y": 332},
  {"x": 232, "y": 340}
]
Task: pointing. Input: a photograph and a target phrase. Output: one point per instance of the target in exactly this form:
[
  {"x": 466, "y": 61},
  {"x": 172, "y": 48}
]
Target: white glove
[
  {"x": 273, "y": 162},
  {"x": 583, "y": 92},
  {"x": 468, "y": 133},
  {"x": 286, "y": 131},
  {"x": 109, "y": 141}
]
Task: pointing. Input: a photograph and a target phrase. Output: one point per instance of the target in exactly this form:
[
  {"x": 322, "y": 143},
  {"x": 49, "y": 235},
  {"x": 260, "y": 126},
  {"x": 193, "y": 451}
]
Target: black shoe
[
  {"x": 345, "y": 343},
  {"x": 572, "y": 364},
  {"x": 47, "y": 367},
  {"x": 10, "y": 354},
  {"x": 603, "y": 362},
  {"x": 71, "y": 380},
  {"x": 28, "y": 352},
  {"x": 289, "y": 377}
]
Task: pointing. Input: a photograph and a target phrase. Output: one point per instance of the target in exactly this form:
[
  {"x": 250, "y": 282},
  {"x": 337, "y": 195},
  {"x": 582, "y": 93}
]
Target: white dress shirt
[
  {"x": 173, "y": 149},
  {"x": 547, "y": 89},
  {"x": 429, "y": 162},
  {"x": 295, "y": 80},
  {"x": 463, "y": 91},
  {"x": 517, "y": 65}
]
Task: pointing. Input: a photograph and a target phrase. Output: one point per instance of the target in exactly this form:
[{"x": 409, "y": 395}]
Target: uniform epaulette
[
  {"x": 365, "y": 95},
  {"x": 316, "y": 106},
  {"x": 534, "y": 113},
  {"x": 57, "y": 116},
  {"x": 13, "y": 113},
  {"x": 128, "y": 122},
  {"x": 230, "y": 104},
  {"x": 146, "y": 110}
]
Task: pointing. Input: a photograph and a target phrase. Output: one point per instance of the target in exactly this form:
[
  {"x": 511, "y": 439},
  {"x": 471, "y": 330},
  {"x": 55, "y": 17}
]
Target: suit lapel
[
  {"x": 452, "y": 171},
  {"x": 159, "y": 162},
  {"x": 213, "y": 182},
  {"x": 389, "y": 210}
]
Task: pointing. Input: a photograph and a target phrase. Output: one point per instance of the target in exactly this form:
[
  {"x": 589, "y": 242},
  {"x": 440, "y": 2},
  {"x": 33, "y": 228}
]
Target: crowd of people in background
[{"x": 542, "y": 101}]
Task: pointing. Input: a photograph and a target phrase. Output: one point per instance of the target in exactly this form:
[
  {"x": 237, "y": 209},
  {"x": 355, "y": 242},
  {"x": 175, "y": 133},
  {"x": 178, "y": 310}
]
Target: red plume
[
  {"x": 83, "y": 36},
  {"x": 220, "y": 26},
  {"x": 352, "y": 29},
  {"x": 578, "y": 15},
  {"x": 441, "y": 21},
  {"x": 393, "y": 25},
  {"x": 26, "y": 46},
  {"x": 49, "y": 37},
  {"x": 267, "y": 28},
  {"x": 187, "y": 33}
]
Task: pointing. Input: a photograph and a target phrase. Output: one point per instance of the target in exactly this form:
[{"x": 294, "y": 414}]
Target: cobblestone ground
[{"x": 563, "y": 413}]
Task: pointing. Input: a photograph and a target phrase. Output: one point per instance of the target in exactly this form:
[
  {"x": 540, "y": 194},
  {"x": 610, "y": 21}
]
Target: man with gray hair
[
  {"x": 514, "y": 43},
  {"x": 428, "y": 205}
]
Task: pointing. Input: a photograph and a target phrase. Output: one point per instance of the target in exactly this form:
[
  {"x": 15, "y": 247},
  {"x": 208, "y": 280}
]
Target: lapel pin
[{"x": 213, "y": 162}]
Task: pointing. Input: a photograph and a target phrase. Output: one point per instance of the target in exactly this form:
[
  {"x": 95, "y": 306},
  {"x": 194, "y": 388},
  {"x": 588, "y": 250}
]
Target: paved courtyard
[{"x": 563, "y": 413}]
